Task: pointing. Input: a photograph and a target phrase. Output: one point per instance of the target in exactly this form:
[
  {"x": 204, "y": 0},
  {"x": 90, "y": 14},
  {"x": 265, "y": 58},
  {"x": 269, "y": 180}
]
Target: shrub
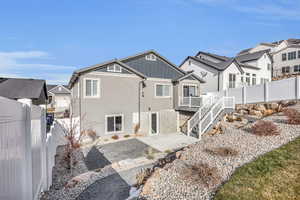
[
  {"x": 265, "y": 128},
  {"x": 136, "y": 128},
  {"x": 203, "y": 174},
  {"x": 221, "y": 151},
  {"x": 126, "y": 136},
  {"x": 115, "y": 137},
  {"x": 293, "y": 115}
]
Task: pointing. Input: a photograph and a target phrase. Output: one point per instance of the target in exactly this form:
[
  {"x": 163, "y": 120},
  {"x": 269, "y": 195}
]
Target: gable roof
[
  {"x": 189, "y": 74},
  {"x": 218, "y": 66},
  {"x": 55, "y": 89},
  {"x": 16, "y": 88},
  {"x": 137, "y": 64},
  {"x": 251, "y": 56},
  {"x": 221, "y": 58}
]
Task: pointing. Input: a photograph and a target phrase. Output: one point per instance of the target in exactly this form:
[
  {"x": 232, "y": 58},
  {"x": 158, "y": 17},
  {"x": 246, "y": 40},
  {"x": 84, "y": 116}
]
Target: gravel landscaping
[{"x": 174, "y": 181}]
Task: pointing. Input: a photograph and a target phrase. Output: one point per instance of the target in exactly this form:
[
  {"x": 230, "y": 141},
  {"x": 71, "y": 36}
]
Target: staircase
[{"x": 207, "y": 114}]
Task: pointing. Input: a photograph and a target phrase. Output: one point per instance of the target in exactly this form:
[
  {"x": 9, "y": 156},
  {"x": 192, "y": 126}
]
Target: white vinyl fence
[
  {"x": 26, "y": 150},
  {"x": 286, "y": 89}
]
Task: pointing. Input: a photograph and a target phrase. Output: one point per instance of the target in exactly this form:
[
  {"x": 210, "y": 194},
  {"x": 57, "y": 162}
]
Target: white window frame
[
  {"x": 98, "y": 88},
  {"x": 114, "y": 132},
  {"x": 114, "y": 68},
  {"x": 150, "y": 123},
  {"x": 163, "y": 84},
  {"x": 189, "y": 84}
]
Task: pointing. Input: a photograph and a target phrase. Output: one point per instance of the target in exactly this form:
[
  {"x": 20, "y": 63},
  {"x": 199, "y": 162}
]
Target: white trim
[
  {"x": 98, "y": 88},
  {"x": 157, "y": 123},
  {"x": 190, "y": 84},
  {"x": 131, "y": 75},
  {"x": 164, "y": 84},
  {"x": 60, "y": 86},
  {"x": 114, "y": 68},
  {"x": 113, "y": 132},
  {"x": 151, "y": 57}
]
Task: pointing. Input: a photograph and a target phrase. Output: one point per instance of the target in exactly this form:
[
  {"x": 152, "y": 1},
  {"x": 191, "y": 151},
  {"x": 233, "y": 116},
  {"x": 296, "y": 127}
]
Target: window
[
  {"x": 253, "y": 79},
  {"x": 285, "y": 70},
  {"x": 151, "y": 57},
  {"x": 190, "y": 91},
  {"x": 232, "y": 79},
  {"x": 242, "y": 79},
  {"x": 162, "y": 90},
  {"x": 114, "y": 68},
  {"x": 297, "y": 68},
  {"x": 190, "y": 62},
  {"x": 284, "y": 57},
  {"x": 92, "y": 87},
  {"x": 114, "y": 123},
  {"x": 269, "y": 67},
  {"x": 292, "y": 55},
  {"x": 248, "y": 78},
  {"x": 298, "y": 54}
]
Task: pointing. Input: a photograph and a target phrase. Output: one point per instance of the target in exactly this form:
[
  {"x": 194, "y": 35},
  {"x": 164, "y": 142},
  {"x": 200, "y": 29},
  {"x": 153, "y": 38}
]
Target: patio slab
[{"x": 172, "y": 141}]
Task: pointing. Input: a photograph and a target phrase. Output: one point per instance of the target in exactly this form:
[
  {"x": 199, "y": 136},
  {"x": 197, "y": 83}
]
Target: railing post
[
  {"x": 244, "y": 95},
  {"x": 190, "y": 101},
  {"x": 266, "y": 91},
  {"x": 297, "y": 88}
]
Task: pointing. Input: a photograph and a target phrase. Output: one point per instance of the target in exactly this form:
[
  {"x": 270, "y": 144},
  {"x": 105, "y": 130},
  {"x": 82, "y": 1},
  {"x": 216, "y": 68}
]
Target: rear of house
[{"x": 141, "y": 91}]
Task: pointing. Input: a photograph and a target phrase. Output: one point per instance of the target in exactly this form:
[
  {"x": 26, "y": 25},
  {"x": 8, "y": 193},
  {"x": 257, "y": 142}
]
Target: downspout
[
  {"x": 141, "y": 83},
  {"x": 218, "y": 81},
  {"x": 79, "y": 94}
]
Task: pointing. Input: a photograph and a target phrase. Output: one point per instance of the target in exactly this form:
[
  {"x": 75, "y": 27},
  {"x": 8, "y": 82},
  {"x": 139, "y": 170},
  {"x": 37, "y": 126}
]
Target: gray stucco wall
[{"x": 119, "y": 95}]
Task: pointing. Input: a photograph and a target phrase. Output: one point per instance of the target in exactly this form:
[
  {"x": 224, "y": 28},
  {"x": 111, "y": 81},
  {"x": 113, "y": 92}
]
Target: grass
[{"x": 275, "y": 175}]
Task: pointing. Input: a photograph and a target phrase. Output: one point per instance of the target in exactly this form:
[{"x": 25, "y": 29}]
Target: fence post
[
  {"x": 244, "y": 95},
  {"x": 297, "y": 88},
  {"x": 44, "y": 148},
  {"x": 266, "y": 91},
  {"x": 28, "y": 153},
  {"x": 190, "y": 101}
]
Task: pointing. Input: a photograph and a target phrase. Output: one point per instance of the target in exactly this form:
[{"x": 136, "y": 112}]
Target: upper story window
[
  {"x": 286, "y": 69},
  {"x": 284, "y": 57},
  {"x": 162, "y": 90},
  {"x": 269, "y": 67},
  {"x": 292, "y": 55},
  {"x": 92, "y": 87},
  {"x": 299, "y": 54},
  {"x": 253, "y": 79},
  {"x": 114, "y": 68},
  {"x": 190, "y": 91},
  {"x": 150, "y": 57},
  {"x": 297, "y": 68}
]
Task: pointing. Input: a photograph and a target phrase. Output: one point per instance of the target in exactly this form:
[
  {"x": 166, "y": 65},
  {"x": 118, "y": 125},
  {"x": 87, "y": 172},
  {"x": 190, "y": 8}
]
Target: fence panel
[
  {"x": 237, "y": 93},
  {"x": 282, "y": 90},
  {"x": 255, "y": 93},
  {"x": 13, "y": 166}
]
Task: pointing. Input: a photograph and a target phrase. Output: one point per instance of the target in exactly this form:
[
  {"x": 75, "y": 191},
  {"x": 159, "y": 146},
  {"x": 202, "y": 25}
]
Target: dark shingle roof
[
  {"x": 15, "y": 88},
  {"x": 251, "y": 56},
  {"x": 221, "y": 58},
  {"x": 221, "y": 66}
]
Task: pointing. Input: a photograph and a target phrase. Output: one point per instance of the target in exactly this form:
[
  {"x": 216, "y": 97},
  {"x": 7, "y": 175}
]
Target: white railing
[
  {"x": 205, "y": 116},
  {"x": 194, "y": 120},
  {"x": 26, "y": 151},
  {"x": 194, "y": 101}
]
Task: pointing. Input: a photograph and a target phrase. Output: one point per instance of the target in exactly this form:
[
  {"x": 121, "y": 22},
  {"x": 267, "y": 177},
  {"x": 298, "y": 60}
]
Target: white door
[{"x": 154, "y": 125}]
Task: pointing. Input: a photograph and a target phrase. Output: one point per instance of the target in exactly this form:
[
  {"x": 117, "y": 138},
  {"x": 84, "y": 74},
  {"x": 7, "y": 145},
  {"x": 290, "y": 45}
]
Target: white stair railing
[{"x": 206, "y": 115}]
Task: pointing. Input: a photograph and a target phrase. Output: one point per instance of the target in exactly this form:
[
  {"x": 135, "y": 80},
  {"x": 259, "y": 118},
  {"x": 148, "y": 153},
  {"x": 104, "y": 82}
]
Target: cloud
[{"x": 27, "y": 64}]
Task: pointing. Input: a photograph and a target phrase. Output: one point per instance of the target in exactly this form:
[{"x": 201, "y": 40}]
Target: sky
[{"x": 49, "y": 39}]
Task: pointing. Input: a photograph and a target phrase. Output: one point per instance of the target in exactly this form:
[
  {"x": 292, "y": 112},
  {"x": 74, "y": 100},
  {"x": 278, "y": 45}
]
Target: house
[
  {"x": 17, "y": 88},
  {"x": 221, "y": 72},
  {"x": 140, "y": 92},
  {"x": 59, "y": 98},
  {"x": 285, "y": 55}
]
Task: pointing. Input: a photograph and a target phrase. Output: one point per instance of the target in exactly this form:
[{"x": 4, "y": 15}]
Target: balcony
[{"x": 193, "y": 103}]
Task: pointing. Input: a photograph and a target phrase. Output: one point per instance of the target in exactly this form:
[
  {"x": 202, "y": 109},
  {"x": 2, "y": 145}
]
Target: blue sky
[{"x": 49, "y": 39}]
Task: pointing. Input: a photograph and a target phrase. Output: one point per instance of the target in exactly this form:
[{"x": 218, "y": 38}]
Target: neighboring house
[
  {"x": 221, "y": 72},
  {"x": 59, "y": 98},
  {"x": 285, "y": 55},
  {"x": 17, "y": 88},
  {"x": 118, "y": 96}
]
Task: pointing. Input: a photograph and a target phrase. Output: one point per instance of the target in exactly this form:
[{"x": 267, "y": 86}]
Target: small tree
[{"x": 73, "y": 134}]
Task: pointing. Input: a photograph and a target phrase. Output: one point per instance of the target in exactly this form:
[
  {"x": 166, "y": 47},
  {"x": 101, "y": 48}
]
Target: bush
[
  {"x": 221, "y": 151},
  {"x": 265, "y": 128},
  {"x": 136, "y": 128},
  {"x": 203, "y": 174},
  {"x": 293, "y": 115},
  {"x": 126, "y": 136},
  {"x": 115, "y": 137}
]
